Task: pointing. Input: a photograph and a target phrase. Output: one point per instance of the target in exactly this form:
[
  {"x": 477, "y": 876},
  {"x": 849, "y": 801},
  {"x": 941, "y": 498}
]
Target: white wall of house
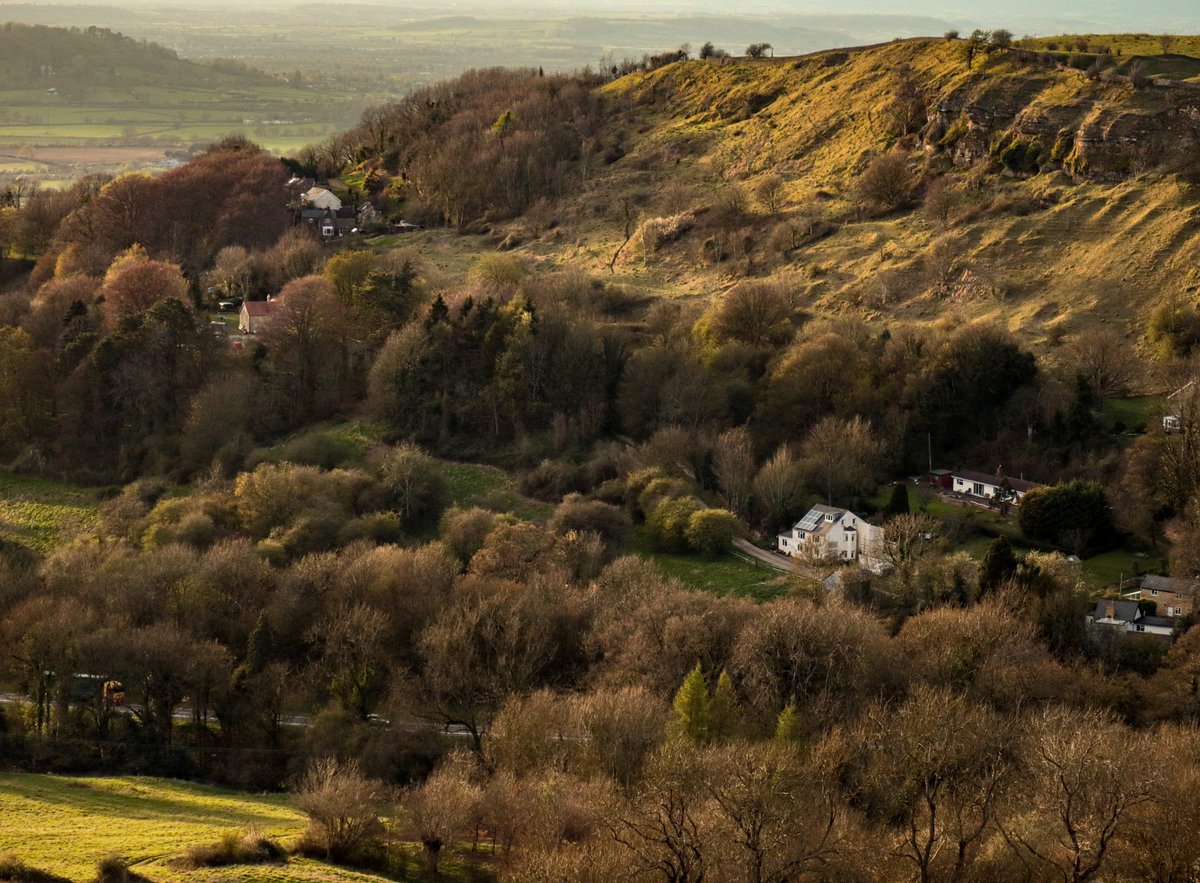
[{"x": 843, "y": 538}]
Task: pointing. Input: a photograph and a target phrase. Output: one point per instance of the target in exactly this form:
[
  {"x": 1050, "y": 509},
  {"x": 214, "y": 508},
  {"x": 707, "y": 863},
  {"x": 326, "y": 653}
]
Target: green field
[
  {"x": 148, "y": 821},
  {"x": 40, "y": 513},
  {"x": 729, "y": 575}
]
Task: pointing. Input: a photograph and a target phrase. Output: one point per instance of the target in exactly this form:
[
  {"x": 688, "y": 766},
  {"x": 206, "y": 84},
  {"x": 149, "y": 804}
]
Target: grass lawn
[
  {"x": 40, "y": 513},
  {"x": 473, "y": 484},
  {"x": 1135, "y": 412},
  {"x": 725, "y": 576}
]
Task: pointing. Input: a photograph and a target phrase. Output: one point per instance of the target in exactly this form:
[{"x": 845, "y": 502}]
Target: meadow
[
  {"x": 40, "y": 513},
  {"x": 150, "y": 822}
]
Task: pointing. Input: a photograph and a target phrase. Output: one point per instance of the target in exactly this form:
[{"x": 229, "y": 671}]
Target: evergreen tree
[
  {"x": 260, "y": 646},
  {"x": 787, "y": 725},
  {"x": 999, "y": 565},
  {"x": 692, "y": 707},
  {"x": 898, "y": 504},
  {"x": 722, "y": 710}
]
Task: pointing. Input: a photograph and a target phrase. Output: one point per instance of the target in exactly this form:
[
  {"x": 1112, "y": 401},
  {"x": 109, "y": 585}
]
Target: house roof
[
  {"x": 1159, "y": 621},
  {"x": 1017, "y": 484},
  {"x": 1122, "y": 611},
  {"x": 1168, "y": 584},
  {"x": 260, "y": 307}
]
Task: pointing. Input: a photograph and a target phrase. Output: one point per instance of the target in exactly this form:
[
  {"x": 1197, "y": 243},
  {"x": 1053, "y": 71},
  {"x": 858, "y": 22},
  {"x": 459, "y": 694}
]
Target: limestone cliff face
[{"x": 1104, "y": 132}]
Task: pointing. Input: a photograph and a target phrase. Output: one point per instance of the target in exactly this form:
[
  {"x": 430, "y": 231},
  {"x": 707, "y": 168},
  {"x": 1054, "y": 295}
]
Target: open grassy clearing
[
  {"x": 728, "y": 575},
  {"x": 467, "y": 484},
  {"x": 40, "y": 513},
  {"x": 152, "y": 822}
]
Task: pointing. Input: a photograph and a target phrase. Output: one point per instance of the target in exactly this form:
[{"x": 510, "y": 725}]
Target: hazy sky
[{"x": 1017, "y": 15}]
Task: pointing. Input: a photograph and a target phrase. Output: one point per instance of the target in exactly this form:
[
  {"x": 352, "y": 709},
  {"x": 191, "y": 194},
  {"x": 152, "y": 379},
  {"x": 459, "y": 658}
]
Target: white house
[
  {"x": 319, "y": 197},
  {"x": 1127, "y": 616},
  {"x": 826, "y": 532},
  {"x": 990, "y": 487},
  {"x": 1179, "y": 403},
  {"x": 255, "y": 314}
]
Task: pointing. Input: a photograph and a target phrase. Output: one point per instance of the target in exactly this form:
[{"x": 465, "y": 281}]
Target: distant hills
[{"x": 33, "y": 56}]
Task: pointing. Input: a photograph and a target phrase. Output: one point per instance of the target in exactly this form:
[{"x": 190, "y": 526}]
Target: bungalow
[
  {"x": 998, "y": 487},
  {"x": 1174, "y": 597},
  {"x": 255, "y": 314},
  {"x": 1127, "y": 616},
  {"x": 826, "y": 532}
]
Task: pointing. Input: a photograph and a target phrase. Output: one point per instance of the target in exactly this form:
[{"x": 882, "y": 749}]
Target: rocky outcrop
[{"x": 1105, "y": 131}]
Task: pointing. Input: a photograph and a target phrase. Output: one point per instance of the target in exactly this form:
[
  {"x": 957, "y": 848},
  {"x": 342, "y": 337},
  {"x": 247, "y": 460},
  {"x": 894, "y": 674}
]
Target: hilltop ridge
[{"x": 1075, "y": 202}]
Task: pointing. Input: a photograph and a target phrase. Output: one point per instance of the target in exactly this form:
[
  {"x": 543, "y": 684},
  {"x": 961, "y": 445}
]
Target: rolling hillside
[
  {"x": 1073, "y": 209},
  {"x": 64, "y": 94}
]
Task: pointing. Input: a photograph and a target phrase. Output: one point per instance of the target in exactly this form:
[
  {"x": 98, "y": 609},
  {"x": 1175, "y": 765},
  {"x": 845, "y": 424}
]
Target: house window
[
  {"x": 977, "y": 489},
  {"x": 1140, "y": 627},
  {"x": 1154, "y": 593}
]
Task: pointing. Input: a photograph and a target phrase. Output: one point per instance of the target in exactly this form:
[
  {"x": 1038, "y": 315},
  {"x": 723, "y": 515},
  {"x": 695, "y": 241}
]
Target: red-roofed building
[{"x": 255, "y": 314}]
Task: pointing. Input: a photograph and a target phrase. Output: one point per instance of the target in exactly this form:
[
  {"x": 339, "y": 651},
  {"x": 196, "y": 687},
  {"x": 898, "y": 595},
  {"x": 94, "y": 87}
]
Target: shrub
[
  {"x": 578, "y": 514},
  {"x": 668, "y": 524},
  {"x": 552, "y": 480},
  {"x": 711, "y": 531},
  {"x": 13, "y": 870},
  {"x": 413, "y": 484},
  {"x": 658, "y": 490},
  {"x": 249, "y": 847},
  {"x": 466, "y": 530},
  {"x": 653, "y": 233},
  {"x": 887, "y": 181},
  {"x": 115, "y": 869},
  {"x": 340, "y": 804},
  {"x": 1074, "y": 515}
]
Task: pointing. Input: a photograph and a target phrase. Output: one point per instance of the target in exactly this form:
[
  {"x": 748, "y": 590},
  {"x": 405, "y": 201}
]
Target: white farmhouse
[
  {"x": 829, "y": 533},
  {"x": 320, "y": 198}
]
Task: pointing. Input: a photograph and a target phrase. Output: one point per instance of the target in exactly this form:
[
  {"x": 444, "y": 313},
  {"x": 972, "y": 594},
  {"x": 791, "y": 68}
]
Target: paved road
[{"x": 779, "y": 562}]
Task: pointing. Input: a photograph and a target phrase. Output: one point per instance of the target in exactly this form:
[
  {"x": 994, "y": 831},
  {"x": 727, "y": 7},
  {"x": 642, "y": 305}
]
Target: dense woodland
[{"x": 949, "y": 720}]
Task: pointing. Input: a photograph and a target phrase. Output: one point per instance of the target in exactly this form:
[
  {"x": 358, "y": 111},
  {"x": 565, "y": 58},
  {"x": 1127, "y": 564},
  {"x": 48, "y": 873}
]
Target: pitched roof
[
  {"x": 260, "y": 307},
  {"x": 1017, "y": 484},
  {"x": 1122, "y": 611},
  {"x": 1168, "y": 584}
]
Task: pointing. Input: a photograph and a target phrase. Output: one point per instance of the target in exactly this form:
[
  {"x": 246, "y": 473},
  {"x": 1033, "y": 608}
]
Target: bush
[
  {"x": 552, "y": 480},
  {"x": 887, "y": 182},
  {"x": 580, "y": 515},
  {"x": 667, "y": 525},
  {"x": 1075, "y": 515},
  {"x": 115, "y": 869},
  {"x": 711, "y": 531},
  {"x": 250, "y": 847},
  {"x": 653, "y": 233},
  {"x": 658, "y": 490},
  {"x": 413, "y": 484},
  {"x": 13, "y": 870},
  {"x": 340, "y": 804},
  {"x": 466, "y": 530}
]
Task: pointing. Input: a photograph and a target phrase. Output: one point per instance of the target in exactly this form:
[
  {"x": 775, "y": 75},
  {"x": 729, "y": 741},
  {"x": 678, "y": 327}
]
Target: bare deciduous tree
[{"x": 340, "y": 804}]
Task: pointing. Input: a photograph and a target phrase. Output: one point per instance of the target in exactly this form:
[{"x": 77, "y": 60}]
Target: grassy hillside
[
  {"x": 148, "y": 821},
  {"x": 1094, "y": 234}
]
